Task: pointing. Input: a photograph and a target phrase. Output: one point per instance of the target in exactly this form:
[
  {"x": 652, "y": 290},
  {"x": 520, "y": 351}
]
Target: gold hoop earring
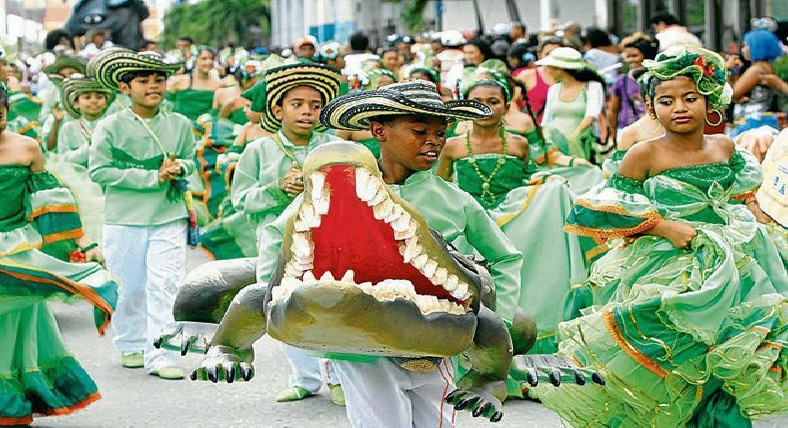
[{"x": 719, "y": 113}]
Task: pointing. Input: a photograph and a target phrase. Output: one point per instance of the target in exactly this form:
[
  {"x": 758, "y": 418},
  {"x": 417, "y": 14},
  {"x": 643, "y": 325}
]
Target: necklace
[
  {"x": 86, "y": 132},
  {"x": 487, "y": 196}
]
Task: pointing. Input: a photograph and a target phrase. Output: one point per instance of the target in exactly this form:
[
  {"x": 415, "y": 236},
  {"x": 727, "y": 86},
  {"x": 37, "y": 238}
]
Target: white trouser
[
  {"x": 309, "y": 372},
  {"x": 381, "y": 394},
  {"x": 150, "y": 263}
]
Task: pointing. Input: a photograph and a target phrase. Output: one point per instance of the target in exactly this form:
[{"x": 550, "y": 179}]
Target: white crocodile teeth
[
  {"x": 451, "y": 283},
  {"x": 318, "y": 179},
  {"x": 429, "y": 268},
  {"x": 440, "y": 277},
  {"x": 300, "y": 226},
  {"x": 369, "y": 192},
  {"x": 394, "y": 214},
  {"x": 309, "y": 277},
  {"x": 301, "y": 245},
  {"x": 401, "y": 224},
  {"x": 322, "y": 204},
  {"x": 460, "y": 292},
  {"x": 362, "y": 178},
  {"x": 327, "y": 276},
  {"x": 412, "y": 250},
  {"x": 378, "y": 198},
  {"x": 383, "y": 209},
  {"x": 309, "y": 216},
  {"x": 349, "y": 276},
  {"x": 420, "y": 261}
]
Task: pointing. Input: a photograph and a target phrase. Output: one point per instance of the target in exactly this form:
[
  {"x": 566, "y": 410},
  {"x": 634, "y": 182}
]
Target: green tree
[{"x": 217, "y": 22}]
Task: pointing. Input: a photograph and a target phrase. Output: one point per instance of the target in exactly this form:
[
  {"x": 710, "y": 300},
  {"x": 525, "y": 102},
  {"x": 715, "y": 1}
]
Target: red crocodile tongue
[{"x": 350, "y": 238}]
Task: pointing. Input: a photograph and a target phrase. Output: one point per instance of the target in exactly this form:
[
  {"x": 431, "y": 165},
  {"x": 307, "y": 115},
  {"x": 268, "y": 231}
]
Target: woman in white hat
[{"x": 574, "y": 102}]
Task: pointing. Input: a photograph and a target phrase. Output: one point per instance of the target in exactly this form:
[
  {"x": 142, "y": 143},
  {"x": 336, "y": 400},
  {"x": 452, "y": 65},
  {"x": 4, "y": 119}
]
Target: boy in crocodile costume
[
  {"x": 392, "y": 302},
  {"x": 140, "y": 155}
]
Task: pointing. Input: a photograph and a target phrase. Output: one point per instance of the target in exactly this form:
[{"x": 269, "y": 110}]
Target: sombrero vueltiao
[
  {"x": 279, "y": 80},
  {"x": 352, "y": 112},
  {"x": 109, "y": 65},
  {"x": 63, "y": 61},
  {"x": 77, "y": 85}
]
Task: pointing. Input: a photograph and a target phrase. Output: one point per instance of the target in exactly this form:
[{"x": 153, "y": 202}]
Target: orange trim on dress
[
  {"x": 62, "y": 236},
  {"x": 25, "y": 420},
  {"x": 634, "y": 353},
  {"x": 47, "y": 209},
  {"x": 652, "y": 218},
  {"x": 60, "y": 411}
]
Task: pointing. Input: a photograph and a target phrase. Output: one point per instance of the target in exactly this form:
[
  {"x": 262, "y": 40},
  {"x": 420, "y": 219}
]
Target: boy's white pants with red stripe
[{"x": 379, "y": 394}]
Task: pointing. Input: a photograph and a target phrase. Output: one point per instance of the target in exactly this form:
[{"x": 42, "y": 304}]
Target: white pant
[
  {"x": 150, "y": 263},
  {"x": 309, "y": 372},
  {"x": 381, "y": 394}
]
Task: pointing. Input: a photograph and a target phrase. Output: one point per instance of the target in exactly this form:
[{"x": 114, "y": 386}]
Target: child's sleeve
[
  {"x": 249, "y": 192},
  {"x": 270, "y": 244},
  {"x": 188, "y": 148},
  {"x": 504, "y": 260},
  {"x": 69, "y": 135},
  {"x": 104, "y": 172}
]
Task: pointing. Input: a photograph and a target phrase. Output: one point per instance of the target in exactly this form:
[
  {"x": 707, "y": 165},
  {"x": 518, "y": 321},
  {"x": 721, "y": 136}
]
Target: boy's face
[
  {"x": 413, "y": 141},
  {"x": 145, "y": 91},
  {"x": 300, "y": 110},
  {"x": 92, "y": 104}
]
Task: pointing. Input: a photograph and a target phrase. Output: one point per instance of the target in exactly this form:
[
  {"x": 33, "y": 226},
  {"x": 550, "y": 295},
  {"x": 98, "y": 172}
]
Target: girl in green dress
[
  {"x": 494, "y": 167},
  {"x": 37, "y": 373},
  {"x": 689, "y": 323},
  {"x": 192, "y": 94}
]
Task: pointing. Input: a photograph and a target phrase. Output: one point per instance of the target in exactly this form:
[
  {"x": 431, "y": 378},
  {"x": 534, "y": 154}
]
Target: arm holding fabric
[
  {"x": 503, "y": 259},
  {"x": 103, "y": 172}
]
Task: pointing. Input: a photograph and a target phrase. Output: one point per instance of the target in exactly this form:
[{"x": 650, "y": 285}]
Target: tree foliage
[{"x": 215, "y": 22}]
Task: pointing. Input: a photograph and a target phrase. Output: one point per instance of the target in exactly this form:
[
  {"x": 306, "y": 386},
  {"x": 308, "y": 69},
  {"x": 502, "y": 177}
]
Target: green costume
[
  {"x": 25, "y": 105},
  {"x": 531, "y": 216},
  {"x": 37, "y": 373},
  {"x": 191, "y": 102},
  {"x": 581, "y": 178},
  {"x": 681, "y": 335},
  {"x": 73, "y": 140},
  {"x": 255, "y": 189},
  {"x": 125, "y": 159}
]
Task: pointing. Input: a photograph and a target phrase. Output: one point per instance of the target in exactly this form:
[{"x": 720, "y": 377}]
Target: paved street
[{"x": 134, "y": 399}]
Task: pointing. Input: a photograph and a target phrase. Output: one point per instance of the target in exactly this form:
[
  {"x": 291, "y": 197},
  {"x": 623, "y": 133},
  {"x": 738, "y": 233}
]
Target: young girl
[
  {"x": 37, "y": 373},
  {"x": 192, "y": 94},
  {"x": 691, "y": 309},
  {"x": 494, "y": 167}
]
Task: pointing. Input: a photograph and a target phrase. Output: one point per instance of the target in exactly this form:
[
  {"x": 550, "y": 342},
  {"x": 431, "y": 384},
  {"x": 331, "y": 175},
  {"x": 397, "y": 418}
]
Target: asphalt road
[{"x": 131, "y": 398}]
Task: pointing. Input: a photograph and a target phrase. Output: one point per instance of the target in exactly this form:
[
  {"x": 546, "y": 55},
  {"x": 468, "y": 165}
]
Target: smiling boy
[
  {"x": 136, "y": 154},
  {"x": 86, "y": 100}
]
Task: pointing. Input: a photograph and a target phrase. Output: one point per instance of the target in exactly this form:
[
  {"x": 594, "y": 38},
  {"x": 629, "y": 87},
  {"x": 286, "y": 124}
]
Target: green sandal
[
  {"x": 337, "y": 394},
  {"x": 292, "y": 393}
]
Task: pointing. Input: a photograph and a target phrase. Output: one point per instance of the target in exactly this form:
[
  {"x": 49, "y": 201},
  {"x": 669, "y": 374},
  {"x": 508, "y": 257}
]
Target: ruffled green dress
[
  {"x": 581, "y": 178},
  {"x": 192, "y": 102},
  {"x": 683, "y": 336},
  {"x": 228, "y": 237},
  {"x": 531, "y": 215},
  {"x": 37, "y": 373}
]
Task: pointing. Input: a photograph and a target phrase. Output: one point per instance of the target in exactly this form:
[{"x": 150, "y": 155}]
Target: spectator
[
  {"x": 98, "y": 41},
  {"x": 536, "y": 81},
  {"x": 359, "y": 52},
  {"x": 305, "y": 47},
  {"x": 518, "y": 33},
  {"x": 626, "y": 103},
  {"x": 185, "y": 45},
  {"x": 149, "y": 46},
  {"x": 669, "y": 31},
  {"x": 451, "y": 57},
  {"x": 392, "y": 60},
  {"x": 602, "y": 54}
]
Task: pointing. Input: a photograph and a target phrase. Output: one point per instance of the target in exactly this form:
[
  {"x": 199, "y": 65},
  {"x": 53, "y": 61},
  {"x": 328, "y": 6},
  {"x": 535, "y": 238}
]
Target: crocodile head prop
[{"x": 357, "y": 259}]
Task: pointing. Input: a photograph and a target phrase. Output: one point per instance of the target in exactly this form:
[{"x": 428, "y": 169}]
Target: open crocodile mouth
[{"x": 351, "y": 231}]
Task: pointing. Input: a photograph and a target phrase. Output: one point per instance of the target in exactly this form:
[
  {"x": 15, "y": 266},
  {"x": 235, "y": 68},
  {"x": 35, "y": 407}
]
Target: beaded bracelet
[{"x": 88, "y": 247}]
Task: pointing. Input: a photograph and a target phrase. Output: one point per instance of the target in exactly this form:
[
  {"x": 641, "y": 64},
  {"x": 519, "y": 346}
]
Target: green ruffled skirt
[{"x": 683, "y": 337}]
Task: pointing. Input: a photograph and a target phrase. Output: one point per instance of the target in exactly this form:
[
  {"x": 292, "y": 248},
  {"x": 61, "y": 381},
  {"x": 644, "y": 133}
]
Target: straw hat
[
  {"x": 564, "y": 58},
  {"x": 352, "y": 111},
  {"x": 77, "y": 85},
  {"x": 109, "y": 65},
  {"x": 281, "y": 79}
]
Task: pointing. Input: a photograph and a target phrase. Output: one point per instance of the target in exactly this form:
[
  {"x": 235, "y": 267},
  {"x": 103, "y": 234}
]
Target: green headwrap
[
  {"x": 705, "y": 67},
  {"x": 492, "y": 71},
  {"x": 374, "y": 74}
]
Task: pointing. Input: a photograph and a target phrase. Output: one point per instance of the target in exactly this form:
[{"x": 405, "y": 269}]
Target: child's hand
[
  {"x": 58, "y": 112},
  {"x": 679, "y": 234},
  {"x": 293, "y": 182},
  {"x": 95, "y": 255},
  {"x": 170, "y": 169}
]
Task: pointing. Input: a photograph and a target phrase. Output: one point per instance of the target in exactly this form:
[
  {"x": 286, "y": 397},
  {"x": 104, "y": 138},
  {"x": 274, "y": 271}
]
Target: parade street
[{"x": 133, "y": 399}]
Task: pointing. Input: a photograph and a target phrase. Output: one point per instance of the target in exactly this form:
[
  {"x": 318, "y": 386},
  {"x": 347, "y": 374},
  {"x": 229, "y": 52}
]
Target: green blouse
[{"x": 513, "y": 173}]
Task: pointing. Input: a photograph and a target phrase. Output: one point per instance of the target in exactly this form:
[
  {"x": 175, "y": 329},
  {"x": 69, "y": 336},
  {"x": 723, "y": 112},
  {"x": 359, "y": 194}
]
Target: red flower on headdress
[{"x": 706, "y": 66}]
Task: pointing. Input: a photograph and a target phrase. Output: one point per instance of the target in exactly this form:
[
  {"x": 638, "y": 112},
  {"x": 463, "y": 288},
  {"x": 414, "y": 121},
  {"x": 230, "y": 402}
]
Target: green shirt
[
  {"x": 255, "y": 189},
  {"x": 125, "y": 159},
  {"x": 449, "y": 211},
  {"x": 73, "y": 143}
]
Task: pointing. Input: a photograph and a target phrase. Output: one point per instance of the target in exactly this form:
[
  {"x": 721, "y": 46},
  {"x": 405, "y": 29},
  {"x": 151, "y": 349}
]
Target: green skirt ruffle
[
  {"x": 37, "y": 374},
  {"x": 231, "y": 236},
  {"x": 681, "y": 336}
]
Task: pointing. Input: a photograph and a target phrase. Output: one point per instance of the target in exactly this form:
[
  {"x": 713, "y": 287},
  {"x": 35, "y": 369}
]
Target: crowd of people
[{"x": 627, "y": 193}]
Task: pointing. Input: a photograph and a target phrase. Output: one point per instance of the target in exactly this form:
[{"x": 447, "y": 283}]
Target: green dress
[
  {"x": 682, "y": 336},
  {"x": 238, "y": 117},
  {"x": 228, "y": 237},
  {"x": 532, "y": 217},
  {"x": 581, "y": 178},
  {"x": 192, "y": 102},
  {"x": 37, "y": 373}
]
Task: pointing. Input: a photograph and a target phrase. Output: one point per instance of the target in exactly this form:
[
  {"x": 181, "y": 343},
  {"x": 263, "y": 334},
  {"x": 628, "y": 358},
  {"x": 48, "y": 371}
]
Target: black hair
[
  {"x": 519, "y": 25},
  {"x": 131, "y": 75},
  {"x": 549, "y": 41},
  {"x": 587, "y": 75},
  {"x": 54, "y": 36},
  {"x": 280, "y": 102},
  {"x": 387, "y": 49},
  {"x": 648, "y": 47},
  {"x": 664, "y": 18},
  {"x": 4, "y": 98},
  {"x": 597, "y": 38},
  {"x": 205, "y": 48},
  {"x": 386, "y": 119},
  {"x": 359, "y": 42},
  {"x": 144, "y": 44},
  {"x": 530, "y": 111},
  {"x": 483, "y": 46},
  {"x": 186, "y": 39},
  {"x": 642, "y": 89},
  {"x": 518, "y": 51}
]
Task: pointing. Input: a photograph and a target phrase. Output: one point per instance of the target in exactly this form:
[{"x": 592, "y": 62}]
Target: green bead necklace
[{"x": 487, "y": 196}]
